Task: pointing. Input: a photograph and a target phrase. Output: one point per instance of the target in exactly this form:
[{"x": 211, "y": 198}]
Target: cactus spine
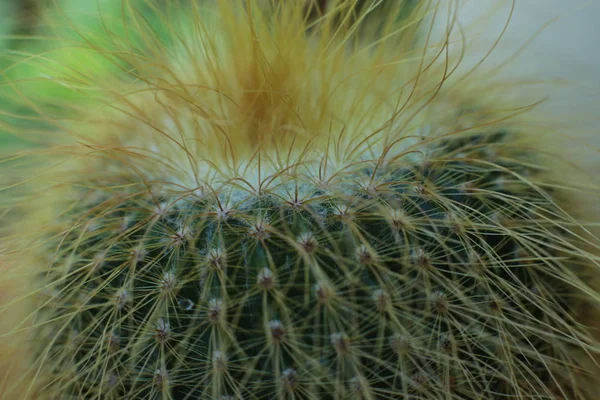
[{"x": 270, "y": 212}]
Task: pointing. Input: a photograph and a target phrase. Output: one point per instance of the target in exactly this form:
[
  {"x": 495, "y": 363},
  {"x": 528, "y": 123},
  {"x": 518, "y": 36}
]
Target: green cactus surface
[{"x": 430, "y": 280}]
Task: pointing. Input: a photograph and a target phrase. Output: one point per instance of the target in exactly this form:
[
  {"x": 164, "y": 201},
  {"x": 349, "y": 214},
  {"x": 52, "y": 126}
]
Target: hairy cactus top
[{"x": 271, "y": 206}]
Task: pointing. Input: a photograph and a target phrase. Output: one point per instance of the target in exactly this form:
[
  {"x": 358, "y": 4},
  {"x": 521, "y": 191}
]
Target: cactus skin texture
[
  {"x": 270, "y": 213},
  {"x": 432, "y": 280}
]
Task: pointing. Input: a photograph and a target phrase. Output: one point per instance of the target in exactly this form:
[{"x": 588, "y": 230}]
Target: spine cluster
[{"x": 443, "y": 279}]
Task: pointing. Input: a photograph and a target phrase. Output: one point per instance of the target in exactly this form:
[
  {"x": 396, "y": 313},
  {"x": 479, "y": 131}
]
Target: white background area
[{"x": 566, "y": 49}]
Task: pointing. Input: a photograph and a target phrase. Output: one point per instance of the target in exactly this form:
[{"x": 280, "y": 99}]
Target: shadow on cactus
[{"x": 271, "y": 213}]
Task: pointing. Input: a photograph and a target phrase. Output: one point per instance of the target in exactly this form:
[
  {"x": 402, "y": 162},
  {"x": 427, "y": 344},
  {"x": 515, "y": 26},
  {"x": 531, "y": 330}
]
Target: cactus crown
[{"x": 280, "y": 208}]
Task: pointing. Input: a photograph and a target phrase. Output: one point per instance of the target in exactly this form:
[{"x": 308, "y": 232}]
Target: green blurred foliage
[{"x": 50, "y": 63}]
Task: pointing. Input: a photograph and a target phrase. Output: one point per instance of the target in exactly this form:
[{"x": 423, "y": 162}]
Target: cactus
[{"x": 279, "y": 213}]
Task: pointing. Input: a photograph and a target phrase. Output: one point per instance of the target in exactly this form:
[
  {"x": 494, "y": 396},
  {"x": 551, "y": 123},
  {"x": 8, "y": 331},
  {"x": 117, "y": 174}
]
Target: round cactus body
[
  {"x": 278, "y": 213},
  {"x": 435, "y": 278}
]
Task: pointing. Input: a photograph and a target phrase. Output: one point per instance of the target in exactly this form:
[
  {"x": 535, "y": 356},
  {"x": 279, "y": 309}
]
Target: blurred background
[{"x": 555, "y": 41}]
